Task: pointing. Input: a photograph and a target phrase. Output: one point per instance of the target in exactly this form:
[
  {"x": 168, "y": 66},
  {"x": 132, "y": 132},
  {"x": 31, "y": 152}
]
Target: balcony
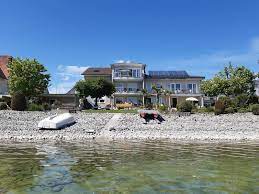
[
  {"x": 181, "y": 92},
  {"x": 120, "y": 90},
  {"x": 127, "y": 75},
  {"x": 122, "y": 78},
  {"x": 184, "y": 92}
]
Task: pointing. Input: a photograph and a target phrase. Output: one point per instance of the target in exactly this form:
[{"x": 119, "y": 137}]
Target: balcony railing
[
  {"x": 183, "y": 91},
  {"x": 127, "y": 90},
  {"x": 128, "y": 77}
]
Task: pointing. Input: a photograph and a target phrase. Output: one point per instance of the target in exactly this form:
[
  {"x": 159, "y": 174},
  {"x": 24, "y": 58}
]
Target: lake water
[{"x": 129, "y": 167}]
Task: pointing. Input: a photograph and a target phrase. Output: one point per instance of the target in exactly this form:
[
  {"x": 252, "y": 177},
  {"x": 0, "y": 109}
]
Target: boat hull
[{"x": 57, "y": 121}]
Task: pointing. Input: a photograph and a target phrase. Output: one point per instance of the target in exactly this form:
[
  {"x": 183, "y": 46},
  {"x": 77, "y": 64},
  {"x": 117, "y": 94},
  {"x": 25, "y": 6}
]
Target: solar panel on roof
[{"x": 177, "y": 74}]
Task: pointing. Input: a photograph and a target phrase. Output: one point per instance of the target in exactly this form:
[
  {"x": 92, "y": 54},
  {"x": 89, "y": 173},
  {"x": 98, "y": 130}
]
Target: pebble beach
[{"x": 22, "y": 127}]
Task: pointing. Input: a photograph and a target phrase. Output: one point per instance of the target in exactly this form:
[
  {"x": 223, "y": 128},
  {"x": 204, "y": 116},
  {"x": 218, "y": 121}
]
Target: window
[
  {"x": 135, "y": 72},
  {"x": 119, "y": 87},
  {"x": 173, "y": 87},
  {"x": 192, "y": 88},
  {"x": 189, "y": 86},
  {"x": 176, "y": 87},
  {"x": 116, "y": 73},
  {"x": 158, "y": 85}
]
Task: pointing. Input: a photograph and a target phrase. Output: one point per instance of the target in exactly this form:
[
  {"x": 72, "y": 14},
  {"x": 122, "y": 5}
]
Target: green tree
[
  {"x": 167, "y": 94},
  {"x": 158, "y": 91},
  {"x": 28, "y": 77},
  {"x": 232, "y": 81},
  {"x": 94, "y": 88}
]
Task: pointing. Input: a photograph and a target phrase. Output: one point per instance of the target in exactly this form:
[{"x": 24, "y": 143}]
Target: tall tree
[
  {"x": 158, "y": 92},
  {"x": 94, "y": 88},
  {"x": 28, "y": 77},
  {"x": 232, "y": 81}
]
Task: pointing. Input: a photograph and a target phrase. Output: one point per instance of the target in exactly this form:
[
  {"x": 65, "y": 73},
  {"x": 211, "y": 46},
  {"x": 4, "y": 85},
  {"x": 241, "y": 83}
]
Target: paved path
[{"x": 113, "y": 122}]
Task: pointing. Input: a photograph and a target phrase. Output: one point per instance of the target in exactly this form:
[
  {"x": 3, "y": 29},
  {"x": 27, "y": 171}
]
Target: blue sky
[{"x": 68, "y": 36}]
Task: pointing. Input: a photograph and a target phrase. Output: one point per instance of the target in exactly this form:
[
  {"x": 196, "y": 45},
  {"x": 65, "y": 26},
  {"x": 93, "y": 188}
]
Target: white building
[{"x": 128, "y": 78}]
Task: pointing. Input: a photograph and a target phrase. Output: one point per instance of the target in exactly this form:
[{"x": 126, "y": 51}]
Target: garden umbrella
[{"x": 192, "y": 99}]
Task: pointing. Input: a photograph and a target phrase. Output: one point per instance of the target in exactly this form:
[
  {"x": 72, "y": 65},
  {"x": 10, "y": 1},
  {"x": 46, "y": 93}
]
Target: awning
[{"x": 192, "y": 99}]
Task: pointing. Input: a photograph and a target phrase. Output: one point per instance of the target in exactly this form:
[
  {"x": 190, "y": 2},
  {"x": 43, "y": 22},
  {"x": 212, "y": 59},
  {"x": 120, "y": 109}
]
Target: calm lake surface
[{"x": 129, "y": 167}]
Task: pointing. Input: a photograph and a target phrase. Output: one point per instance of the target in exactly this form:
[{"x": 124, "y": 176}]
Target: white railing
[{"x": 127, "y": 90}]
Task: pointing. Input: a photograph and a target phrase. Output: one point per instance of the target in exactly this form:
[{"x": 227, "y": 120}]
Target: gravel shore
[{"x": 22, "y": 126}]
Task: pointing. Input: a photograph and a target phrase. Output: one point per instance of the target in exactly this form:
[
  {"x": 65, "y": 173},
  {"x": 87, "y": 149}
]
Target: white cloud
[
  {"x": 65, "y": 78},
  {"x": 75, "y": 69},
  {"x": 119, "y": 61},
  {"x": 61, "y": 88},
  {"x": 71, "y": 70}
]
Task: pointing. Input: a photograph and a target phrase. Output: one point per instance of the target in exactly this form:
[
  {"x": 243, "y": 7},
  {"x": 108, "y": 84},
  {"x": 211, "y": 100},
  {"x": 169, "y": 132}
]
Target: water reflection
[
  {"x": 19, "y": 164},
  {"x": 129, "y": 167}
]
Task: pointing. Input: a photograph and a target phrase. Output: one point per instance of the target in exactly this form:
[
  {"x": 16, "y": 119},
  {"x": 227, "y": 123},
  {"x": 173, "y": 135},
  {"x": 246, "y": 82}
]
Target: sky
[{"x": 68, "y": 36}]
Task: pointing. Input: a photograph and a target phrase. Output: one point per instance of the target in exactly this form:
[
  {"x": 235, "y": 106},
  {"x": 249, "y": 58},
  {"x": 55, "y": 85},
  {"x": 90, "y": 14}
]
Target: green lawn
[{"x": 110, "y": 111}]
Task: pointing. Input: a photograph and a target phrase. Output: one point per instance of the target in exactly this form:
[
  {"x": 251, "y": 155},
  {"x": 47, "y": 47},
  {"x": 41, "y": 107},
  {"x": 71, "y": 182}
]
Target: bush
[
  {"x": 241, "y": 100},
  {"x": 243, "y": 110},
  {"x": 230, "y": 110},
  {"x": 228, "y": 102},
  {"x": 3, "y": 106},
  {"x": 149, "y": 106},
  {"x": 206, "y": 109},
  {"x": 35, "y": 107},
  {"x": 18, "y": 102},
  {"x": 163, "y": 108},
  {"x": 253, "y": 100},
  {"x": 255, "y": 109},
  {"x": 185, "y": 106},
  {"x": 46, "y": 106},
  {"x": 219, "y": 107}
]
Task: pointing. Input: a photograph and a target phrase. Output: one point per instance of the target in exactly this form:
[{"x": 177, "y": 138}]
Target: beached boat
[
  {"x": 57, "y": 121},
  {"x": 151, "y": 115}
]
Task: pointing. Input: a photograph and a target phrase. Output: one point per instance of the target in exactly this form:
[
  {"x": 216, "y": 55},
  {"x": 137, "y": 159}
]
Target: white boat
[{"x": 57, "y": 121}]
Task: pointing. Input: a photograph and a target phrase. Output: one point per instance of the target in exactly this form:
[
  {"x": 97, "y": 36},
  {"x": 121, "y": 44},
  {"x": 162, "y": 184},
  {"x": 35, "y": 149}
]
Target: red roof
[{"x": 3, "y": 66}]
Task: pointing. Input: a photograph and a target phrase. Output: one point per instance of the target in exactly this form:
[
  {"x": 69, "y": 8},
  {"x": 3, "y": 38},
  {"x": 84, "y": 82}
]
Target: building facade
[
  {"x": 129, "y": 80},
  {"x": 97, "y": 73},
  {"x": 133, "y": 85},
  {"x": 177, "y": 87},
  {"x": 4, "y": 60}
]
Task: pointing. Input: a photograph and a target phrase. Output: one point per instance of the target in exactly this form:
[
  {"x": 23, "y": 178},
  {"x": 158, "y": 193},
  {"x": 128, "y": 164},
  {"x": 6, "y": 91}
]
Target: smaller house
[{"x": 97, "y": 73}]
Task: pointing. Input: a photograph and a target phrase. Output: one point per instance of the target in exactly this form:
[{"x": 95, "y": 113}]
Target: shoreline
[{"x": 240, "y": 127}]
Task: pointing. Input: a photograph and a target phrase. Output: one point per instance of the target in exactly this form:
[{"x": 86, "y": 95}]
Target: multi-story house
[
  {"x": 129, "y": 80},
  {"x": 4, "y": 60},
  {"x": 180, "y": 85}
]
